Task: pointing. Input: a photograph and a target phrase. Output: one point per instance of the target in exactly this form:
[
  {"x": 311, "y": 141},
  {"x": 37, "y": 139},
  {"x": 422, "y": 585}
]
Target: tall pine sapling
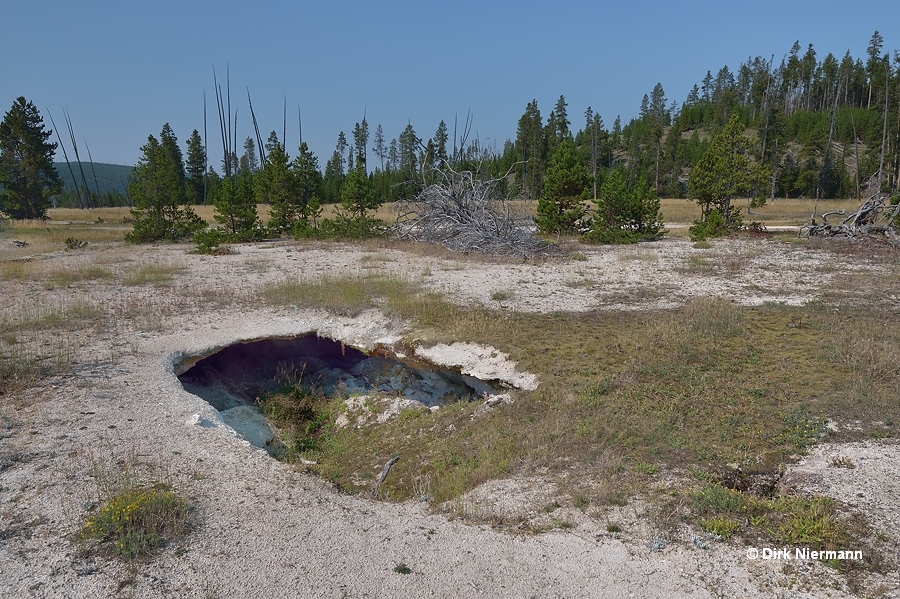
[
  {"x": 625, "y": 215},
  {"x": 157, "y": 191},
  {"x": 724, "y": 173},
  {"x": 561, "y": 206}
]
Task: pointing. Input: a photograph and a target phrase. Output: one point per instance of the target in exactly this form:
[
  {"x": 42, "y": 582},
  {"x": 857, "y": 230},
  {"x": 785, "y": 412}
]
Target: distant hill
[{"x": 110, "y": 178}]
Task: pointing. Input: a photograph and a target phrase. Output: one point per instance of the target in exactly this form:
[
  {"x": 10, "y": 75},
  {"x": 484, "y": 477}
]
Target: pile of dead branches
[
  {"x": 874, "y": 217},
  {"x": 467, "y": 213}
]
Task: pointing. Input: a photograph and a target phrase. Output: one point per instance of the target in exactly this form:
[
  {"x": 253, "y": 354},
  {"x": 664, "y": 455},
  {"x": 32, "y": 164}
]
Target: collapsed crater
[{"x": 233, "y": 379}]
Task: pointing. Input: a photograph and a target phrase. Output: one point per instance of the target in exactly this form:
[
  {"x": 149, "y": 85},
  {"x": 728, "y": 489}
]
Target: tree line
[
  {"x": 811, "y": 128},
  {"x": 825, "y": 128}
]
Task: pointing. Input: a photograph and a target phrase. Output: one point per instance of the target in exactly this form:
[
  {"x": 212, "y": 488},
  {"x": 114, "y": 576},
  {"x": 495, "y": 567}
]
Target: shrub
[
  {"x": 302, "y": 411},
  {"x": 137, "y": 521},
  {"x": 344, "y": 226},
  {"x": 713, "y": 225},
  {"x": 209, "y": 240},
  {"x": 625, "y": 215},
  {"x": 74, "y": 244}
]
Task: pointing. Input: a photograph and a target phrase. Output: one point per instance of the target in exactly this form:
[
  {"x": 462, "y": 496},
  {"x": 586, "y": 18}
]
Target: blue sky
[{"x": 122, "y": 69}]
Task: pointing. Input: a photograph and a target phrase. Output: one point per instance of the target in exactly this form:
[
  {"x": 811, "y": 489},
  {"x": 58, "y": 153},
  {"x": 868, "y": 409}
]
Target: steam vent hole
[{"x": 232, "y": 379}]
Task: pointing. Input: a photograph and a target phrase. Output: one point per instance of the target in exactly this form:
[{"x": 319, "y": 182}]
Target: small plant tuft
[
  {"x": 74, "y": 244},
  {"x": 722, "y": 526},
  {"x": 842, "y": 462},
  {"x": 645, "y": 468},
  {"x": 138, "y": 521},
  {"x": 551, "y": 507}
]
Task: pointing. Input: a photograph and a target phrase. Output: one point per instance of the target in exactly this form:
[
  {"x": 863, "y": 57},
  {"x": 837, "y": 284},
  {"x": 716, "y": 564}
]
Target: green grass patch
[
  {"x": 16, "y": 271},
  {"x": 812, "y": 522},
  {"x": 722, "y": 526},
  {"x": 43, "y": 236},
  {"x": 436, "y": 319},
  {"x": 645, "y": 468},
  {"x": 137, "y": 511},
  {"x": 305, "y": 418}
]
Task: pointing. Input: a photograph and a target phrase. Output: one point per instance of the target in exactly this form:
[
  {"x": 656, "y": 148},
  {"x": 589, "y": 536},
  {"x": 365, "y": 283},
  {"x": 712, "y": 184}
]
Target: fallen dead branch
[
  {"x": 874, "y": 217},
  {"x": 467, "y": 213}
]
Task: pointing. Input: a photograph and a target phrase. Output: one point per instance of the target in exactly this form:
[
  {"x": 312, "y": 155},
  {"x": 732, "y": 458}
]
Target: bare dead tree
[
  {"x": 205, "y": 152},
  {"x": 466, "y": 212},
  {"x": 259, "y": 141},
  {"x": 87, "y": 192},
  {"x": 225, "y": 119},
  {"x": 81, "y": 203},
  {"x": 93, "y": 171},
  {"x": 887, "y": 75}
]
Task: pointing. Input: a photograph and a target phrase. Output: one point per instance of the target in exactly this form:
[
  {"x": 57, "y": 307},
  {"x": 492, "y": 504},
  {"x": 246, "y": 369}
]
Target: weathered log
[{"x": 384, "y": 473}]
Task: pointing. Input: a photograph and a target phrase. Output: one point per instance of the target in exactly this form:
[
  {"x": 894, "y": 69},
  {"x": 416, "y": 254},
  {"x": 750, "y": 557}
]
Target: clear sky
[{"x": 123, "y": 68}]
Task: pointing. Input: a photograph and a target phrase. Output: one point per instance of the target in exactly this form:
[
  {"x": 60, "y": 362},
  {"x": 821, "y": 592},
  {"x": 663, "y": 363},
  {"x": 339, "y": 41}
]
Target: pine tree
[
  {"x": 308, "y": 180},
  {"x": 340, "y": 148},
  {"x": 874, "y": 63},
  {"x": 393, "y": 156},
  {"x": 409, "y": 145},
  {"x": 723, "y": 173},
  {"x": 236, "y": 207},
  {"x": 530, "y": 147},
  {"x": 408, "y": 162},
  {"x": 275, "y": 185},
  {"x": 623, "y": 215},
  {"x": 616, "y": 137},
  {"x": 561, "y": 205},
  {"x": 360, "y": 141},
  {"x": 169, "y": 145},
  {"x": 357, "y": 195},
  {"x": 249, "y": 161},
  {"x": 440, "y": 145},
  {"x": 557, "y": 126},
  {"x": 380, "y": 149},
  {"x": 157, "y": 192},
  {"x": 213, "y": 180},
  {"x": 332, "y": 180},
  {"x": 27, "y": 175},
  {"x": 195, "y": 169}
]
